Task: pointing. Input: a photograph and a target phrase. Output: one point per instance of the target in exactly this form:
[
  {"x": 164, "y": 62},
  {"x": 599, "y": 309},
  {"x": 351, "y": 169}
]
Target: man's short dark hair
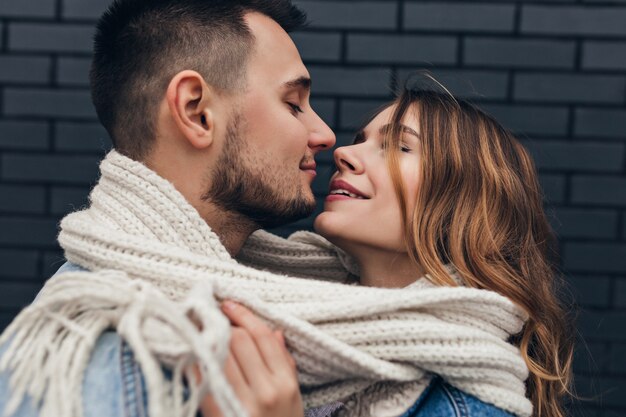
[{"x": 141, "y": 44}]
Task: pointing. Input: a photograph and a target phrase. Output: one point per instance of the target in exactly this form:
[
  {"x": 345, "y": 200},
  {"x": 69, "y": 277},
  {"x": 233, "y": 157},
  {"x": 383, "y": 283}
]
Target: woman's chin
[{"x": 324, "y": 226}]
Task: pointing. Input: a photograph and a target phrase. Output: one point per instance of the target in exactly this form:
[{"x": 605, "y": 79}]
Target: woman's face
[{"x": 362, "y": 209}]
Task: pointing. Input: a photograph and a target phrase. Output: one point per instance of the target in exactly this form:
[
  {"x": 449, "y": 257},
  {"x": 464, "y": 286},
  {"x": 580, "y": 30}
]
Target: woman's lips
[{"x": 337, "y": 197}]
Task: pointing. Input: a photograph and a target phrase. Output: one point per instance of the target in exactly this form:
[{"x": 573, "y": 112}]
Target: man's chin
[{"x": 282, "y": 214}]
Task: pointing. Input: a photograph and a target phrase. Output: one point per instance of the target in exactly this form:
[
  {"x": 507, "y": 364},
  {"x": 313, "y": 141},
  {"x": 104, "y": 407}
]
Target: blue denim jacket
[
  {"x": 440, "y": 399},
  {"x": 114, "y": 387}
]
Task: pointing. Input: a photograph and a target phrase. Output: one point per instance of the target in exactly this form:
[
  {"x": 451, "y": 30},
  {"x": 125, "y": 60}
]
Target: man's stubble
[{"x": 254, "y": 189}]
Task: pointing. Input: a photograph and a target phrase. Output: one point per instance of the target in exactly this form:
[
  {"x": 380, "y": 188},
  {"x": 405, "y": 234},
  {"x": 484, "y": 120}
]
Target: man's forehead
[{"x": 275, "y": 57}]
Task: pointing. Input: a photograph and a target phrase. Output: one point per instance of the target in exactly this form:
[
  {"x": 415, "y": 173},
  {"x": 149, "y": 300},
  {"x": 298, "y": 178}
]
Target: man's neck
[{"x": 233, "y": 229}]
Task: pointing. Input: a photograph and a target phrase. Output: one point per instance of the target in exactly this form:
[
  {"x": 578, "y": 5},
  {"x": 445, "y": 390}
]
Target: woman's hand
[{"x": 259, "y": 368}]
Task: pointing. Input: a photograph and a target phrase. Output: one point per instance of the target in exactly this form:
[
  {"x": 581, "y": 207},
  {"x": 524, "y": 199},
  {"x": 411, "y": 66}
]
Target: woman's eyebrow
[{"x": 405, "y": 129}]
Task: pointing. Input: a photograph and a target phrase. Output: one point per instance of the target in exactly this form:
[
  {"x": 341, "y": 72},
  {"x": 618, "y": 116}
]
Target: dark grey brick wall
[{"x": 554, "y": 71}]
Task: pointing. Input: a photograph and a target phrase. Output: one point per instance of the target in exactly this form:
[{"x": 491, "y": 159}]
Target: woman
[{"x": 433, "y": 185}]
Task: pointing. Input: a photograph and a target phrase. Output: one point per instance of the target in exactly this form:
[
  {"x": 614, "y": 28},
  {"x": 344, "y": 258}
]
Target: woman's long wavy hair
[{"x": 479, "y": 208}]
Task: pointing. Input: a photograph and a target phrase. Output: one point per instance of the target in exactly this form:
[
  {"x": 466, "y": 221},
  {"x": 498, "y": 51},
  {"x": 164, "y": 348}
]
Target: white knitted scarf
[{"x": 155, "y": 262}]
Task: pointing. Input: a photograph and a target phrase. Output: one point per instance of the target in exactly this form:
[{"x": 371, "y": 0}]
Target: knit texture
[{"x": 155, "y": 262}]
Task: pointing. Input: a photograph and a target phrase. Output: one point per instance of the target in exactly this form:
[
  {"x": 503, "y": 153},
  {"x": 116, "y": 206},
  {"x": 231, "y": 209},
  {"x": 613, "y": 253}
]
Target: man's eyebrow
[
  {"x": 300, "y": 82},
  {"x": 404, "y": 128}
]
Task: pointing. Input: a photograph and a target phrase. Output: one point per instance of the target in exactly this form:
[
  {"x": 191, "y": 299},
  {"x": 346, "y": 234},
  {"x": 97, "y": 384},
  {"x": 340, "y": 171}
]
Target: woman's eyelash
[{"x": 295, "y": 107}]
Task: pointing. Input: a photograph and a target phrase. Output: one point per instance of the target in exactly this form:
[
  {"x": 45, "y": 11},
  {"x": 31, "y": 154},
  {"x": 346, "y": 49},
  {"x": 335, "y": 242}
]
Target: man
[{"x": 213, "y": 97}]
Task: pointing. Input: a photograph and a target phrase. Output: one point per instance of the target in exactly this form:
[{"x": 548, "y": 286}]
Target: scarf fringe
[{"x": 77, "y": 307}]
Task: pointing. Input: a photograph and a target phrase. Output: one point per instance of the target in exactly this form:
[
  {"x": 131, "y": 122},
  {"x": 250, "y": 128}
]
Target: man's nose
[{"x": 321, "y": 136}]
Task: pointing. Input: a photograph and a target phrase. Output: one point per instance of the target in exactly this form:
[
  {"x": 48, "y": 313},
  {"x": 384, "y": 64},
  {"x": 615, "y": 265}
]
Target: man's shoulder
[
  {"x": 69, "y": 267},
  {"x": 112, "y": 385}
]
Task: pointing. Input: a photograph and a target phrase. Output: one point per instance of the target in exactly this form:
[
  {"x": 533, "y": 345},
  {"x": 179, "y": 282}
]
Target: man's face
[{"x": 267, "y": 163}]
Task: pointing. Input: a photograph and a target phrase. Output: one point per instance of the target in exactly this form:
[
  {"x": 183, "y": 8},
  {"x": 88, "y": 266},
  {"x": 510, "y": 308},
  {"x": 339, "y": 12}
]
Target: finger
[
  {"x": 269, "y": 348},
  {"x": 279, "y": 336},
  {"x": 209, "y": 408},
  {"x": 281, "y": 339},
  {"x": 236, "y": 378},
  {"x": 249, "y": 360}
]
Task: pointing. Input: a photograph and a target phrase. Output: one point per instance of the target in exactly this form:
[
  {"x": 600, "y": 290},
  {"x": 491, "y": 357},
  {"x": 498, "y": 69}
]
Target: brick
[
  {"x": 606, "y": 123},
  {"x": 325, "y": 108},
  {"x": 618, "y": 358},
  {"x": 351, "y": 81},
  {"x": 18, "y": 263},
  {"x": 17, "y": 295},
  {"x": 355, "y": 113},
  {"x": 52, "y": 261},
  {"x": 595, "y": 258},
  {"x": 345, "y": 139},
  {"x": 585, "y": 156},
  {"x": 24, "y": 69},
  {"x": 23, "y": 135},
  {"x": 519, "y": 53},
  {"x": 533, "y": 120},
  {"x": 6, "y": 318},
  {"x": 50, "y": 168},
  {"x": 68, "y": 199},
  {"x": 590, "y": 357},
  {"x": 591, "y": 291},
  {"x": 585, "y": 223},
  {"x": 84, "y": 9},
  {"x": 578, "y": 21},
  {"x": 27, "y": 8},
  {"x": 602, "y": 325},
  {"x": 570, "y": 88},
  {"x": 350, "y": 14},
  {"x": 587, "y": 389},
  {"x": 24, "y": 231},
  {"x": 49, "y": 103},
  {"x": 459, "y": 17},
  {"x": 73, "y": 71},
  {"x": 605, "y": 390},
  {"x": 90, "y": 137},
  {"x": 407, "y": 49},
  {"x": 22, "y": 199},
  {"x": 322, "y": 181},
  {"x": 603, "y": 190},
  {"x": 553, "y": 187},
  {"x": 318, "y": 46},
  {"x": 604, "y": 55},
  {"x": 472, "y": 84},
  {"x": 48, "y": 37},
  {"x": 620, "y": 292}
]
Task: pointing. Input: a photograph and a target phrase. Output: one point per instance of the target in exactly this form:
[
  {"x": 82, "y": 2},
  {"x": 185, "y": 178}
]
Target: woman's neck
[{"x": 389, "y": 269}]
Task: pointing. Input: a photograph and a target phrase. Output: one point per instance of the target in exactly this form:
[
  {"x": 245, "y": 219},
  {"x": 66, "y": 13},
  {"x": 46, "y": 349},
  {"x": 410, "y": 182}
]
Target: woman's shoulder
[{"x": 443, "y": 400}]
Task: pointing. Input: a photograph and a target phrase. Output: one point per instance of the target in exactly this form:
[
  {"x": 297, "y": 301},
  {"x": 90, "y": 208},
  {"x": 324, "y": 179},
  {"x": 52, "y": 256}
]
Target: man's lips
[
  {"x": 345, "y": 186},
  {"x": 309, "y": 167}
]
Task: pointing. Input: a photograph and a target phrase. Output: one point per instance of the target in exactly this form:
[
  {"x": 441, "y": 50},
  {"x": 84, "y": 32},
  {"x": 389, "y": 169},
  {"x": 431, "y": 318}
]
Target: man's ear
[{"x": 190, "y": 102}]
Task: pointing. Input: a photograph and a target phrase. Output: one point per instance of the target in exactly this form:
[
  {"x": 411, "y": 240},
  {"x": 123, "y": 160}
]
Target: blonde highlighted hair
[{"x": 479, "y": 208}]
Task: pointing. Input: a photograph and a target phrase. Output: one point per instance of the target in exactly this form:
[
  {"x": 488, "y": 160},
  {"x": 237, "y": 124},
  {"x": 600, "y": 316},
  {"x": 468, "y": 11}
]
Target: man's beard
[{"x": 258, "y": 196}]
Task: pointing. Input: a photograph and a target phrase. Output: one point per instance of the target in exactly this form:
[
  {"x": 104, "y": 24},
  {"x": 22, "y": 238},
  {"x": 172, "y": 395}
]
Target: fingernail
[{"x": 229, "y": 305}]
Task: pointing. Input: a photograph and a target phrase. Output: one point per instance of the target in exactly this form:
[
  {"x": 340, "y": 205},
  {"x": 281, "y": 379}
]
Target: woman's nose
[{"x": 346, "y": 160}]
